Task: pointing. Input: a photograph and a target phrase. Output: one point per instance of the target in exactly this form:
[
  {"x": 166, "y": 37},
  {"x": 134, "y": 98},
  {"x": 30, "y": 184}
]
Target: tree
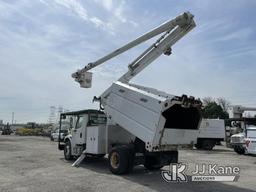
[
  {"x": 224, "y": 103},
  {"x": 213, "y": 110},
  {"x": 207, "y": 100}
]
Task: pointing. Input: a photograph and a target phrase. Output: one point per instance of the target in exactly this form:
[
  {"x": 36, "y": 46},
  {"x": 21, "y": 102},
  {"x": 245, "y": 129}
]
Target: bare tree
[
  {"x": 207, "y": 100},
  {"x": 224, "y": 103}
]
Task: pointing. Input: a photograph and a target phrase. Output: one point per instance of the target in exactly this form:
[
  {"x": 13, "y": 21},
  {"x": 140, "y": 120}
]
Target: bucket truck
[
  {"x": 238, "y": 125},
  {"x": 143, "y": 125}
]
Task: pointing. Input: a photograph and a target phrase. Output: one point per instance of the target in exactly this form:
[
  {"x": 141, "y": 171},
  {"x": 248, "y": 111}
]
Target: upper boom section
[{"x": 182, "y": 21}]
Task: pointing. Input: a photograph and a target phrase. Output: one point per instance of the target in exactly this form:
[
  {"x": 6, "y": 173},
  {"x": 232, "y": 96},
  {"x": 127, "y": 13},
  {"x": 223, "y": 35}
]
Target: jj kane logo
[
  {"x": 211, "y": 172},
  {"x": 176, "y": 173}
]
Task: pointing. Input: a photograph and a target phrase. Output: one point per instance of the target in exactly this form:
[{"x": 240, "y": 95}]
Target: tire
[
  {"x": 239, "y": 150},
  {"x": 198, "y": 146},
  {"x": 208, "y": 144},
  {"x": 67, "y": 151},
  {"x": 152, "y": 163},
  {"x": 52, "y": 138},
  {"x": 119, "y": 160}
]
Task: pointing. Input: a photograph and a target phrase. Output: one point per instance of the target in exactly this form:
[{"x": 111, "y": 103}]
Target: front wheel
[
  {"x": 67, "y": 151},
  {"x": 239, "y": 150}
]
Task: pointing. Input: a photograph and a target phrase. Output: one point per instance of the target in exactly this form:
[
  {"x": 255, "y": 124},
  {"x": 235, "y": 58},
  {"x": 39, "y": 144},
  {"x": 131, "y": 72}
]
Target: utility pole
[
  {"x": 52, "y": 116},
  {"x": 12, "y": 117}
]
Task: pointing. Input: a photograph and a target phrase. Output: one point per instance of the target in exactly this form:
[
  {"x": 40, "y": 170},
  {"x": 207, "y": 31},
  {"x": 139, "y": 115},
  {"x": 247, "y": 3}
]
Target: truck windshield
[{"x": 97, "y": 119}]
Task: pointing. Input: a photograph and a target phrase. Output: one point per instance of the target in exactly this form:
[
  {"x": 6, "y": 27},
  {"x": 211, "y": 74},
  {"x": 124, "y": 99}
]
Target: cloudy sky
[{"x": 43, "y": 41}]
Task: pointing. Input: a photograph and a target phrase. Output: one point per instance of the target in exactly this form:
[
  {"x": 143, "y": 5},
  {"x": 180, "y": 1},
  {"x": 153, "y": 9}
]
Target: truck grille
[{"x": 235, "y": 140}]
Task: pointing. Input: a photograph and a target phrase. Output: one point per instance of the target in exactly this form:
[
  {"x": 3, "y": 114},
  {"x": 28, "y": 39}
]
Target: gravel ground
[{"x": 35, "y": 164}]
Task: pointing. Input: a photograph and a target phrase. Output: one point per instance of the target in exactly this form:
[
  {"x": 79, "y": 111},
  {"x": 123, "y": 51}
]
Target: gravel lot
[{"x": 35, "y": 164}]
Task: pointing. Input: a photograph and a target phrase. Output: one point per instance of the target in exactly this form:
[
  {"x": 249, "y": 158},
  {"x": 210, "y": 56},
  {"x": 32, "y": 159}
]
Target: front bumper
[{"x": 238, "y": 144}]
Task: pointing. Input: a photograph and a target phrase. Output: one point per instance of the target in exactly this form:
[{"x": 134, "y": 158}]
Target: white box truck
[{"x": 211, "y": 132}]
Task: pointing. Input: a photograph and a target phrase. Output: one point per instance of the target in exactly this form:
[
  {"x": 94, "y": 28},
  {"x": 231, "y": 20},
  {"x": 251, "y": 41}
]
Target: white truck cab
[
  {"x": 245, "y": 141},
  {"x": 84, "y": 128},
  {"x": 250, "y": 140}
]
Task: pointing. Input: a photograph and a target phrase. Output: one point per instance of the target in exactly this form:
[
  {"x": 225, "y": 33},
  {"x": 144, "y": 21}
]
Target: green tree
[{"x": 212, "y": 110}]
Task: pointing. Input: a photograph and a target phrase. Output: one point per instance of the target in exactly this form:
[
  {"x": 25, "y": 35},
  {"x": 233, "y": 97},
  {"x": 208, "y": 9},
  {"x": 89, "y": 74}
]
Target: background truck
[
  {"x": 250, "y": 140},
  {"x": 7, "y": 130},
  {"x": 240, "y": 141},
  {"x": 57, "y": 134},
  {"x": 211, "y": 131},
  {"x": 236, "y": 124},
  {"x": 143, "y": 125}
]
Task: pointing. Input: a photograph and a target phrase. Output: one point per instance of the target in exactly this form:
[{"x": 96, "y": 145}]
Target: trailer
[
  {"x": 211, "y": 132},
  {"x": 142, "y": 125}
]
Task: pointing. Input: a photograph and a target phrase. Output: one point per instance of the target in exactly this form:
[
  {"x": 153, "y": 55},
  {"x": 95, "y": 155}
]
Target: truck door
[
  {"x": 79, "y": 133},
  {"x": 251, "y": 140}
]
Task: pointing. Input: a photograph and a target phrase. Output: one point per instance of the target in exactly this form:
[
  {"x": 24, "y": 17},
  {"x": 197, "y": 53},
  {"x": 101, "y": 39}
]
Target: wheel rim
[{"x": 114, "y": 160}]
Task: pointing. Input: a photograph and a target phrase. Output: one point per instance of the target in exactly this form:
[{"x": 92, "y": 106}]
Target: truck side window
[{"x": 97, "y": 119}]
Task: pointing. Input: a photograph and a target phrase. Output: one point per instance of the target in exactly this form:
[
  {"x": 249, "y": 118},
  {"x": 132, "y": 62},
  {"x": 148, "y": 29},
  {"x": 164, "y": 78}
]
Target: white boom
[{"x": 174, "y": 30}]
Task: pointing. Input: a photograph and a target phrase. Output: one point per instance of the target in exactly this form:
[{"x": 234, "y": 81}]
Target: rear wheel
[
  {"x": 152, "y": 163},
  {"x": 208, "y": 144},
  {"x": 120, "y": 160},
  {"x": 67, "y": 150}
]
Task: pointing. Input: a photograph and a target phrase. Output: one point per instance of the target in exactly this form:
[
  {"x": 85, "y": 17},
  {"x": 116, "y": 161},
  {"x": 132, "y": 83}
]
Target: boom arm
[{"x": 175, "y": 29}]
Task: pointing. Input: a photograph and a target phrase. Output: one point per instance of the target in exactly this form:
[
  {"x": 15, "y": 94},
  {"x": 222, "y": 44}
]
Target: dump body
[{"x": 161, "y": 122}]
